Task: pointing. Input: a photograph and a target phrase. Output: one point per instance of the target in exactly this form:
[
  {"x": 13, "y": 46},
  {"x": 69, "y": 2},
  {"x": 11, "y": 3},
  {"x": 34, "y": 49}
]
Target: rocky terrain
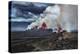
[{"x": 38, "y": 40}]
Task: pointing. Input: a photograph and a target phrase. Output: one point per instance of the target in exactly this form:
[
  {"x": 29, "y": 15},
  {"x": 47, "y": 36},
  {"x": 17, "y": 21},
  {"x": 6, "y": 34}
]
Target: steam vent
[{"x": 42, "y": 26}]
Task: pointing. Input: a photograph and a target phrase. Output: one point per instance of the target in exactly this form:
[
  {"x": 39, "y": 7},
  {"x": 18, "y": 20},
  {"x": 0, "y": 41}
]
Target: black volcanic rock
[{"x": 41, "y": 40}]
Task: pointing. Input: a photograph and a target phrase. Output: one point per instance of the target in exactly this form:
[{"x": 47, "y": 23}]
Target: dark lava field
[{"x": 38, "y": 40}]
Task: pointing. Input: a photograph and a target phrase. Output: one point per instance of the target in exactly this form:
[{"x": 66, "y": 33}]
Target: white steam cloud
[{"x": 65, "y": 15}]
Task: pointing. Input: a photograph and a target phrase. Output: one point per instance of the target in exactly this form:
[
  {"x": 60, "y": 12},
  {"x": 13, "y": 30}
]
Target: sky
[{"x": 25, "y": 10}]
